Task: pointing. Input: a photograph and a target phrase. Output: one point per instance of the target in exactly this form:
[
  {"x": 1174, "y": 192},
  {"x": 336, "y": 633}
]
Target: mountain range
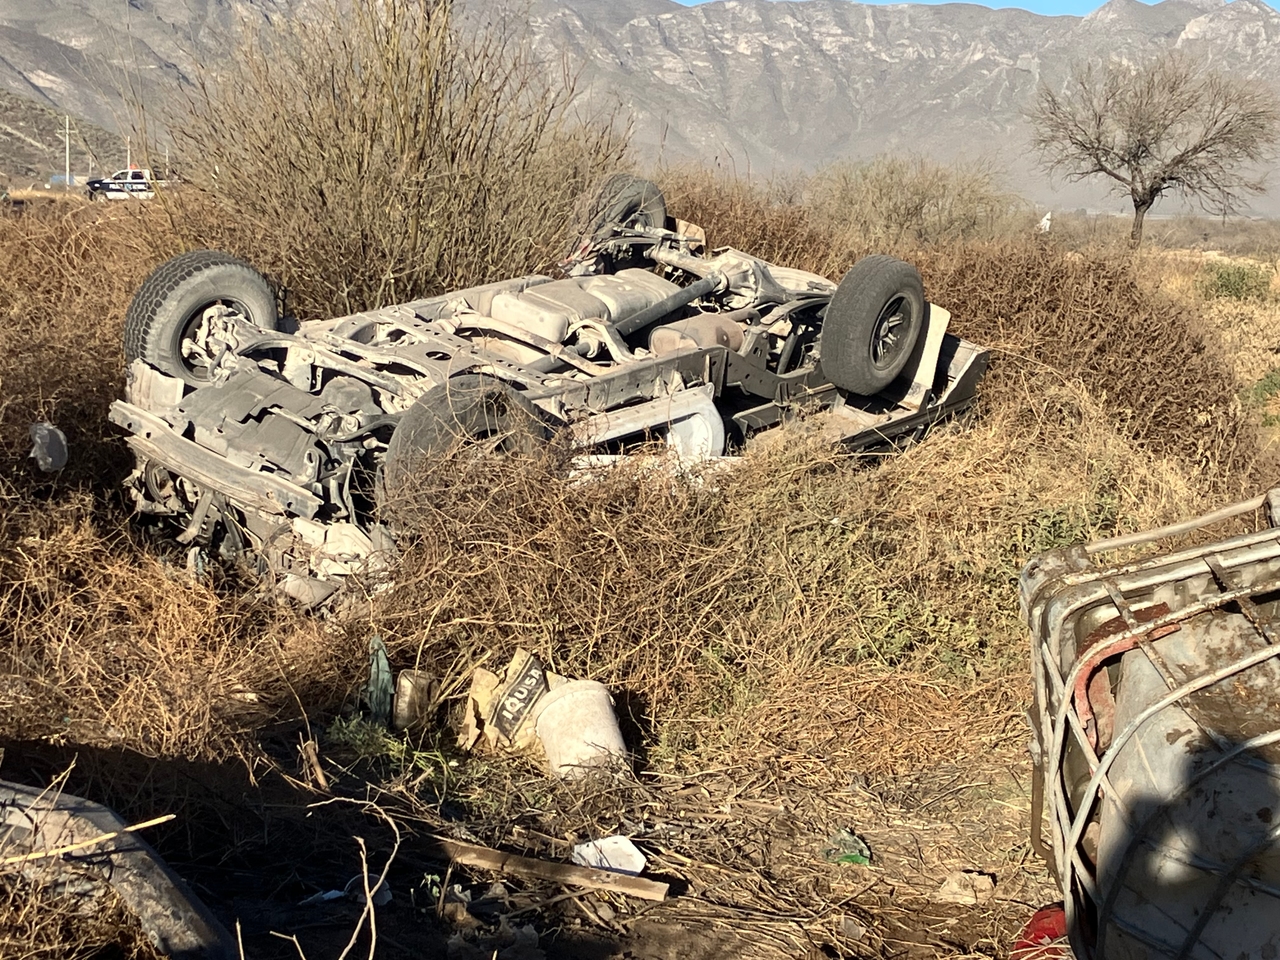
[{"x": 753, "y": 85}]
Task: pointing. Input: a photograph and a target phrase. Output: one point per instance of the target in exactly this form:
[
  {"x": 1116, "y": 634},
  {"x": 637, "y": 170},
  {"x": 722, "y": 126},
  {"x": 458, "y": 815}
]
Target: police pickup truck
[{"x": 132, "y": 184}]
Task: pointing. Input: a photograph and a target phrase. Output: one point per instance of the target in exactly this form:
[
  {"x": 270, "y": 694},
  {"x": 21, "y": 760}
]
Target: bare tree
[{"x": 1169, "y": 124}]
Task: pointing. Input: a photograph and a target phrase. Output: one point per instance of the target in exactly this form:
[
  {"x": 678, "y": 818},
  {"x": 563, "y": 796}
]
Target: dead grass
[
  {"x": 44, "y": 919},
  {"x": 895, "y": 199},
  {"x": 834, "y": 639},
  {"x": 1234, "y": 236}
]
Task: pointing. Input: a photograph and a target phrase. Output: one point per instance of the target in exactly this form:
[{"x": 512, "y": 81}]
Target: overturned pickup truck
[{"x": 256, "y": 439}]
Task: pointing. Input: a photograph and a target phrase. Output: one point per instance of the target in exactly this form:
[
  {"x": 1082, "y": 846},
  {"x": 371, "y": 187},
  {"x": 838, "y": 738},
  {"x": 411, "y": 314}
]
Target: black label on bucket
[{"x": 518, "y": 698}]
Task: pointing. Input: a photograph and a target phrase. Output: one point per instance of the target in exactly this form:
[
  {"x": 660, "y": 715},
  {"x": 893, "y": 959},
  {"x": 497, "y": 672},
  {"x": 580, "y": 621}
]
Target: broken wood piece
[
  {"x": 85, "y": 844},
  {"x": 473, "y": 855}
]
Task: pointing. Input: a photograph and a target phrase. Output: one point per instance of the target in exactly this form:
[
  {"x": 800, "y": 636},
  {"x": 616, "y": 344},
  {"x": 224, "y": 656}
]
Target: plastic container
[
  {"x": 1157, "y": 738},
  {"x": 578, "y": 728}
]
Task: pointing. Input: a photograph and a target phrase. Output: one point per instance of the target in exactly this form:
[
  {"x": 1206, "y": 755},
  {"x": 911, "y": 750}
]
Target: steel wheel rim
[{"x": 891, "y": 325}]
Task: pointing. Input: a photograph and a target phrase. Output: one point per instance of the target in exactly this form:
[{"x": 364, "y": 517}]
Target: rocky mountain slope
[
  {"x": 31, "y": 145},
  {"x": 763, "y": 85},
  {"x": 753, "y": 84}
]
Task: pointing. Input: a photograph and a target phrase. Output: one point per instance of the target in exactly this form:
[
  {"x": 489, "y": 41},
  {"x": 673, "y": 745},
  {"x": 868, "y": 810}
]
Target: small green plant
[
  {"x": 1236, "y": 281},
  {"x": 1263, "y": 390},
  {"x": 1261, "y": 394},
  {"x": 897, "y": 622},
  {"x": 370, "y": 741}
]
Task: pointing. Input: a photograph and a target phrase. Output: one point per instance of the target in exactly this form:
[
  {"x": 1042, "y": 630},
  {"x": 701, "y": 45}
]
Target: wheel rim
[{"x": 891, "y": 328}]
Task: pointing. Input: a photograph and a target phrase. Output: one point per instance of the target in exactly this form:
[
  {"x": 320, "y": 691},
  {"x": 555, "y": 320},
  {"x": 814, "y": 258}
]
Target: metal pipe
[
  {"x": 1173, "y": 530},
  {"x": 553, "y": 361},
  {"x": 711, "y": 283}
]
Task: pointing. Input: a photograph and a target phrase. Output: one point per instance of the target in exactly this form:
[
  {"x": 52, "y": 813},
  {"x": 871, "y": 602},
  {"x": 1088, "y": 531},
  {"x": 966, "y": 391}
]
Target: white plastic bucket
[{"x": 578, "y": 728}]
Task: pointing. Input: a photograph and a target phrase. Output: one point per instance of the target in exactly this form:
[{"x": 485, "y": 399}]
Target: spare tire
[
  {"x": 171, "y": 301},
  {"x": 622, "y": 200},
  {"x": 467, "y": 411},
  {"x": 872, "y": 324}
]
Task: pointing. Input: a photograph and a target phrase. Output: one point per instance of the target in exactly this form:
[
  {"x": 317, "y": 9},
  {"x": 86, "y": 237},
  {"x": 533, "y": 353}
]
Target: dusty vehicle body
[
  {"x": 253, "y": 440},
  {"x": 81, "y": 847},
  {"x": 1157, "y": 738}
]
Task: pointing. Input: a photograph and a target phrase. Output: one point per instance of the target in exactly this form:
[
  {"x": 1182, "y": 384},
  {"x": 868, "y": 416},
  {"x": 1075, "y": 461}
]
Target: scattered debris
[
  {"x": 380, "y": 691},
  {"x": 353, "y": 889},
  {"x": 415, "y": 691},
  {"x": 324, "y": 896},
  {"x": 37, "y": 827},
  {"x": 852, "y": 929},
  {"x": 1044, "y": 937},
  {"x": 966, "y": 887},
  {"x": 487, "y": 858},
  {"x": 847, "y": 847},
  {"x": 578, "y": 728},
  {"x": 572, "y": 720},
  {"x": 311, "y": 762},
  {"x": 615, "y": 853},
  {"x": 455, "y": 912},
  {"x": 509, "y": 943},
  {"x": 48, "y": 447}
]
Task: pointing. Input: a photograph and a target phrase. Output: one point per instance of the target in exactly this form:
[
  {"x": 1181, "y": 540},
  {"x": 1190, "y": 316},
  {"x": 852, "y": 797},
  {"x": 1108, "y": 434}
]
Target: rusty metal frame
[{"x": 1076, "y": 583}]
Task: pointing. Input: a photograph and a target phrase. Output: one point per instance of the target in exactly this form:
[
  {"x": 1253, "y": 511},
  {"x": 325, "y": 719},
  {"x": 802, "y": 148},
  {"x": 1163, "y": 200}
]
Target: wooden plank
[{"x": 472, "y": 855}]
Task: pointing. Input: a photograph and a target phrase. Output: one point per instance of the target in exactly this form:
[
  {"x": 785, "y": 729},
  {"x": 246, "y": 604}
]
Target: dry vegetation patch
[
  {"x": 44, "y": 919},
  {"x": 834, "y": 640}
]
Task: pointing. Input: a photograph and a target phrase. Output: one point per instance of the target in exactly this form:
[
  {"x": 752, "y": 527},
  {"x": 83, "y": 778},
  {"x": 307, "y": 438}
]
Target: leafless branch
[{"x": 1170, "y": 124}]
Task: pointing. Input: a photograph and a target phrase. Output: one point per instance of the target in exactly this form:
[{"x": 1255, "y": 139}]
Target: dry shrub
[
  {"x": 698, "y": 600},
  {"x": 68, "y": 274},
  {"x": 1090, "y": 317},
  {"x": 894, "y": 199},
  {"x": 106, "y": 643},
  {"x": 1049, "y": 314},
  {"x": 42, "y": 918},
  {"x": 382, "y": 150},
  {"x": 1248, "y": 336},
  {"x": 766, "y": 219}
]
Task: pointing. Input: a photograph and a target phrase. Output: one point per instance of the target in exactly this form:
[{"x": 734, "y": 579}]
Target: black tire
[
  {"x": 173, "y": 299},
  {"x": 872, "y": 324},
  {"x": 468, "y": 411},
  {"x": 622, "y": 200}
]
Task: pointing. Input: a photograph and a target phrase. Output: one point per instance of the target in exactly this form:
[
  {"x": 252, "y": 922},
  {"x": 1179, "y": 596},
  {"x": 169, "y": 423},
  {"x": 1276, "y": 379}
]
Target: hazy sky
[{"x": 1051, "y": 7}]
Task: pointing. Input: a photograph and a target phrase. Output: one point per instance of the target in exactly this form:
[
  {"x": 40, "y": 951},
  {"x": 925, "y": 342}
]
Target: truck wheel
[
  {"x": 171, "y": 301},
  {"x": 622, "y": 200},
  {"x": 470, "y": 411},
  {"x": 872, "y": 324}
]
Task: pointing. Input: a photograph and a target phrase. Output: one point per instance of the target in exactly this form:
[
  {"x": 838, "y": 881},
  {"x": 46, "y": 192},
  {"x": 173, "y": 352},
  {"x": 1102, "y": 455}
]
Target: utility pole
[
  {"x": 128, "y": 153},
  {"x": 66, "y": 143}
]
